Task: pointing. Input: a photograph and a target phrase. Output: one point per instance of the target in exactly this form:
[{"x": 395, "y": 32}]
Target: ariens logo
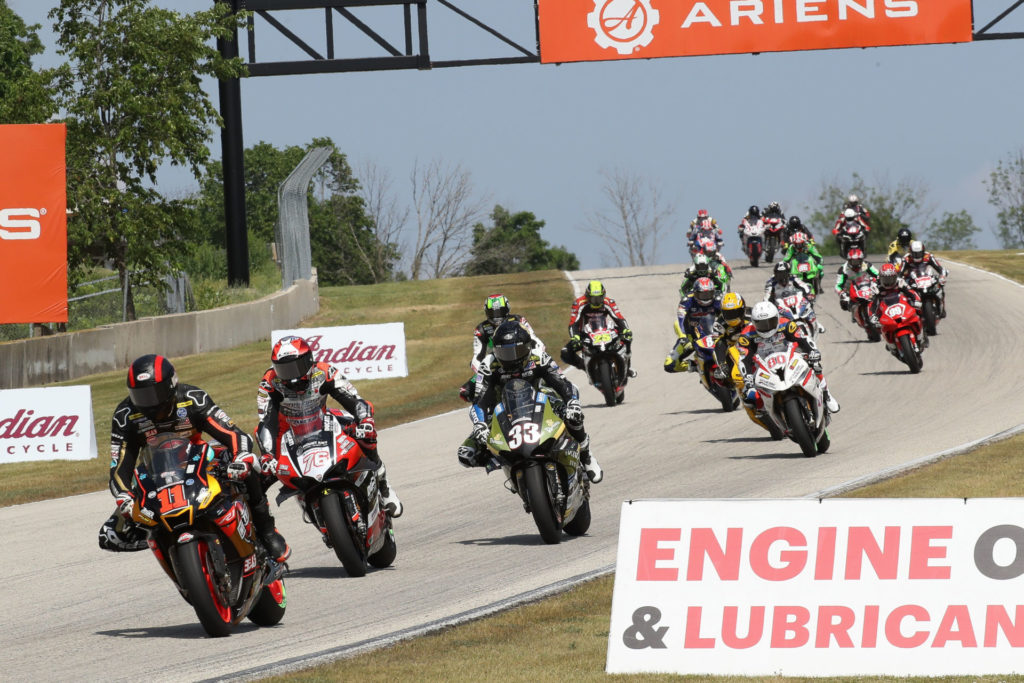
[
  {"x": 625, "y": 25},
  {"x": 20, "y": 224}
]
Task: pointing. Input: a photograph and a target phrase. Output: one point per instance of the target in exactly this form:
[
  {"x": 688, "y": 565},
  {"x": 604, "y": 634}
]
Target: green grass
[
  {"x": 1007, "y": 263},
  {"x": 439, "y": 317}
]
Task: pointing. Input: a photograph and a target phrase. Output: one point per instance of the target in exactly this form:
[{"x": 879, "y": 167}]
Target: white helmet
[
  {"x": 765, "y": 317},
  {"x": 849, "y": 214},
  {"x": 853, "y": 199}
]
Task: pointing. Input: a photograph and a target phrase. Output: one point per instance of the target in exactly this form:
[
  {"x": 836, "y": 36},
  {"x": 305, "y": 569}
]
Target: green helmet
[{"x": 496, "y": 308}]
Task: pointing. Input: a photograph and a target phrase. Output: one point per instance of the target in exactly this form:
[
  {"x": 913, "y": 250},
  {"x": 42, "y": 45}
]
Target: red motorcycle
[
  {"x": 858, "y": 295},
  {"x": 902, "y": 329},
  {"x": 773, "y": 229},
  {"x": 336, "y": 485}
]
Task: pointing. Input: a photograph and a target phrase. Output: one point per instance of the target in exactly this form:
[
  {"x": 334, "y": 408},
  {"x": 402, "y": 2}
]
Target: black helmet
[
  {"x": 151, "y": 386},
  {"x": 781, "y": 271},
  {"x": 512, "y": 345},
  {"x": 903, "y": 237},
  {"x": 292, "y": 360},
  {"x": 496, "y": 308},
  {"x": 754, "y": 211},
  {"x": 794, "y": 222}
]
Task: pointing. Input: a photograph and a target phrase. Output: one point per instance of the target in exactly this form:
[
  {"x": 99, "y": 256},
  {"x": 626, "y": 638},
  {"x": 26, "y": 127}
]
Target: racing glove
[
  {"x": 575, "y": 344},
  {"x": 239, "y": 468},
  {"x": 125, "y": 504},
  {"x": 627, "y": 335},
  {"x": 573, "y": 412},
  {"x": 480, "y": 432},
  {"x": 365, "y": 430}
]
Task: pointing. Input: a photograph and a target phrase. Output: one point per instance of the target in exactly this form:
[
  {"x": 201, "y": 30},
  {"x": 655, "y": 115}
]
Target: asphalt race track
[{"x": 75, "y": 612}]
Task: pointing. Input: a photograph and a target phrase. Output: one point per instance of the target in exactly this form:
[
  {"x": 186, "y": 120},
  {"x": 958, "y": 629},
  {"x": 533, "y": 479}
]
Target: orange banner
[
  {"x": 591, "y": 30},
  {"x": 33, "y": 224}
]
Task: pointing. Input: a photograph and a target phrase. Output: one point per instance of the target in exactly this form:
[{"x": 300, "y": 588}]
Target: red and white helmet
[
  {"x": 292, "y": 360},
  {"x": 887, "y": 276},
  {"x": 702, "y": 215},
  {"x": 855, "y": 258}
]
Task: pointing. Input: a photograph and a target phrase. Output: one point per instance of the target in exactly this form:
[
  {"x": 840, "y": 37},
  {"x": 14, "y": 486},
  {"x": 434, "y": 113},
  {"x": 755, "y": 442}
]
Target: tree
[
  {"x": 131, "y": 92},
  {"x": 892, "y": 206},
  {"x": 635, "y": 221},
  {"x": 445, "y": 208},
  {"x": 513, "y": 245},
  {"x": 952, "y": 231},
  {"x": 1006, "y": 194},
  {"x": 24, "y": 93},
  {"x": 387, "y": 216}
]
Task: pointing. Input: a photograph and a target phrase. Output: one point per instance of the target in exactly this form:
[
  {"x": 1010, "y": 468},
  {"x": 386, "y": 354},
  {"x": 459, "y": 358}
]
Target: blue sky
[{"x": 716, "y": 132}]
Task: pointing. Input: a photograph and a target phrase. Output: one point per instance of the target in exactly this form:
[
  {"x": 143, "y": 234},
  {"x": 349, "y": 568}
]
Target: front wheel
[
  {"x": 909, "y": 354},
  {"x": 541, "y": 504},
  {"x": 930, "y": 316},
  {"x": 798, "y": 427},
  {"x": 351, "y": 555},
  {"x": 607, "y": 382},
  {"x": 192, "y": 564}
]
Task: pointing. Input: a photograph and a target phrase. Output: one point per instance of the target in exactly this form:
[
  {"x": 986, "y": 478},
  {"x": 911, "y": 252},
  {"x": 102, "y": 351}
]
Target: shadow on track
[
  {"x": 180, "y": 632},
  {"x": 518, "y": 539}
]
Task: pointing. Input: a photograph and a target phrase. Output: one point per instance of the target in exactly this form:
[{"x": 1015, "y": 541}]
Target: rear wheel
[
  {"x": 910, "y": 354},
  {"x": 541, "y": 505},
  {"x": 351, "y": 555},
  {"x": 930, "y": 316},
  {"x": 823, "y": 442},
  {"x": 580, "y": 522},
  {"x": 607, "y": 382},
  {"x": 192, "y": 564},
  {"x": 269, "y": 608},
  {"x": 873, "y": 334},
  {"x": 798, "y": 426}
]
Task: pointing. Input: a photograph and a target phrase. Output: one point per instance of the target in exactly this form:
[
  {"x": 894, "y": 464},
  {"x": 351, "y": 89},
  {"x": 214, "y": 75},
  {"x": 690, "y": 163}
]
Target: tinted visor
[
  {"x": 732, "y": 314},
  {"x": 767, "y": 324},
  {"x": 509, "y": 354},
  {"x": 887, "y": 280},
  {"x": 151, "y": 396},
  {"x": 704, "y": 298},
  {"x": 293, "y": 368},
  {"x": 595, "y": 301}
]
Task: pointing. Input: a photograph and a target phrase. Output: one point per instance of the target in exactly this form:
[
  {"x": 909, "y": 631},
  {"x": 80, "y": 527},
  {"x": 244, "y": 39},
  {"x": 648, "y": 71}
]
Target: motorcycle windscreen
[
  {"x": 518, "y": 397},
  {"x": 164, "y": 458},
  {"x": 305, "y": 416}
]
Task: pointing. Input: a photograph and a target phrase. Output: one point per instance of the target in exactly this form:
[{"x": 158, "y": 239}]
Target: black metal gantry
[{"x": 413, "y": 53}]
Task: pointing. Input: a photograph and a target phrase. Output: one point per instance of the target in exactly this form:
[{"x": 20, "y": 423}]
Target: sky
[{"x": 717, "y": 132}]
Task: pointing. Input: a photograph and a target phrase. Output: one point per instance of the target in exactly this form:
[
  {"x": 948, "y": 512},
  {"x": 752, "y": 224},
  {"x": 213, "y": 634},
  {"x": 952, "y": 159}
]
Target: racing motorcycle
[
  {"x": 604, "y": 357},
  {"x": 849, "y": 236},
  {"x": 753, "y": 238},
  {"x": 858, "y": 295},
  {"x": 793, "y": 301},
  {"x": 773, "y": 230},
  {"x": 200, "y": 529},
  {"x": 902, "y": 329},
  {"x": 324, "y": 468},
  {"x": 808, "y": 269},
  {"x": 541, "y": 461},
  {"x": 924, "y": 280},
  {"x": 792, "y": 396},
  {"x": 719, "y": 275},
  {"x": 712, "y": 375}
]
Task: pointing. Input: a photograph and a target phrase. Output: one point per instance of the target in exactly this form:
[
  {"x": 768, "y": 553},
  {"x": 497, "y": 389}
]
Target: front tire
[
  {"x": 909, "y": 354},
  {"x": 580, "y": 522},
  {"x": 604, "y": 371},
  {"x": 192, "y": 565},
  {"x": 798, "y": 427},
  {"x": 351, "y": 556},
  {"x": 536, "y": 483}
]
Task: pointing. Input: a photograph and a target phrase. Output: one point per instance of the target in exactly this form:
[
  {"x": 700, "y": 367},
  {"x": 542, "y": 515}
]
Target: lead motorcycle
[
  {"x": 323, "y": 467},
  {"x": 604, "y": 358},
  {"x": 200, "y": 530},
  {"x": 792, "y": 396},
  {"x": 541, "y": 461}
]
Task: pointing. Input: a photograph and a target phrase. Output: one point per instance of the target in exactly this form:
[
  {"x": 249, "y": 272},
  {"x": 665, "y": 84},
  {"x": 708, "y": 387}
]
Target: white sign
[
  {"x": 358, "y": 351},
  {"x": 840, "y": 587},
  {"x": 46, "y": 424}
]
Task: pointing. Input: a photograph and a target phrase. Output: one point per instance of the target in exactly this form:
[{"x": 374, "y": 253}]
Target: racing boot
[
  {"x": 830, "y": 401},
  {"x": 391, "y": 500},
  {"x": 590, "y": 464},
  {"x": 264, "y": 523}
]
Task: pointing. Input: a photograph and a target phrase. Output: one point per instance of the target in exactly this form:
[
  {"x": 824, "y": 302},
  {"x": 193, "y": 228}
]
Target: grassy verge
[
  {"x": 566, "y": 637},
  {"x": 439, "y": 317}
]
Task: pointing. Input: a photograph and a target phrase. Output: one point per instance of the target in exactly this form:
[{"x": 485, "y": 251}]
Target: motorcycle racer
[
  {"x": 701, "y": 267},
  {"x": 853, "y": 202},
  {"x": 782, "y": 277},
  {"x": 593, "y": 303},
  {"x": 916, "y": 260},
  {"x": 793, "y": 226},
  {"x": 799, "y": 246},
  {"x": 900, "y": 246},
  {"x": 514, "y": 356},
  {"x": 157, "y": 404},
  {"x": 752, "y": 217},
  {"x": 888, "y": 283},
  {"x": 496, "y": 310},
  {"x": 294, "y": 376},
  {"x": 854, "y": 267},
  {"x": 770, "y": 328},
  {"x": 706, "y": 226},
  {"x": 774, "y": 211},
  {"x": 700, "y": 303}
]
